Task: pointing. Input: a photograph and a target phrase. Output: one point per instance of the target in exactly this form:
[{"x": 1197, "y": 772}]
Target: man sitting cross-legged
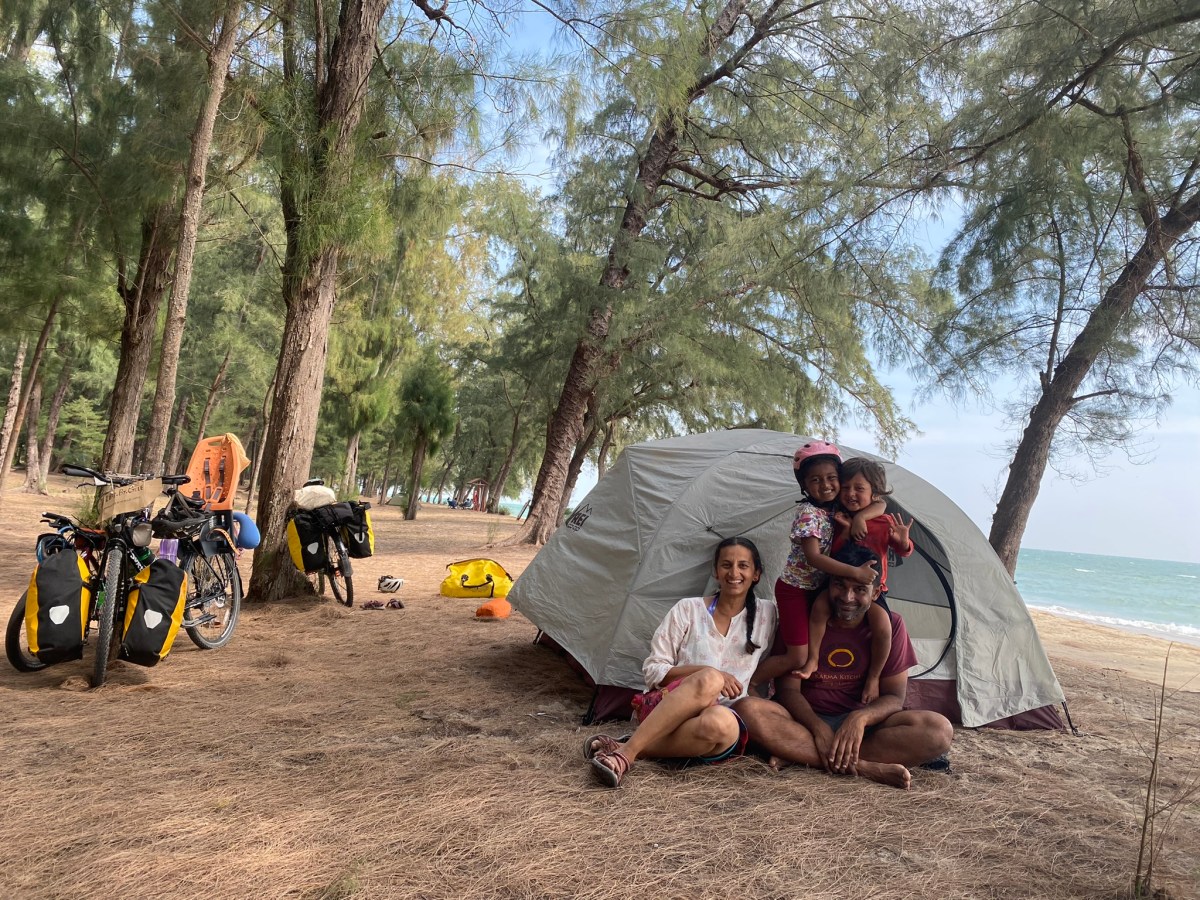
[{"x": 821, "y": 722}]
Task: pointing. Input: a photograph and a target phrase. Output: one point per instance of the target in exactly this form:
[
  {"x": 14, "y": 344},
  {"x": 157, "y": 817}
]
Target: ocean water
[{"x": 1144, "y": 595}]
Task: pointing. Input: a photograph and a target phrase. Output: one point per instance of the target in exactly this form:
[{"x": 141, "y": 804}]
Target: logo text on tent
[{"x": 575, "y": 522}]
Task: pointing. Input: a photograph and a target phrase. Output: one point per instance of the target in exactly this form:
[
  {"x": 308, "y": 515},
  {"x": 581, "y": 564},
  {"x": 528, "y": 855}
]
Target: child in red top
[{"x": 863, "y": 483}]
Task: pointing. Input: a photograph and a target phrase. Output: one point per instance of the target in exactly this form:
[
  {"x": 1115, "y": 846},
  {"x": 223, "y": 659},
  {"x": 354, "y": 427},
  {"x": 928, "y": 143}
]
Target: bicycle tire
[
  {"x": 338, "y": 570},
  {"x": 15, "y": 647},
  {"x": 106, "y": 618},
  {"x": 214, "y": 599}
]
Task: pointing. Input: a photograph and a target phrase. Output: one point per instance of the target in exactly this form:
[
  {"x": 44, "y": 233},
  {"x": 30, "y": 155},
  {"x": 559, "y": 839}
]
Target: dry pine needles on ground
[{"x": 421, "y": 753}]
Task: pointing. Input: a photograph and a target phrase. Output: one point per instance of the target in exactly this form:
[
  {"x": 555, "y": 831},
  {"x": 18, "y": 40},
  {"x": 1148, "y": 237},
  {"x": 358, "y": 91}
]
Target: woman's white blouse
[{"x": 688, "y": 637}]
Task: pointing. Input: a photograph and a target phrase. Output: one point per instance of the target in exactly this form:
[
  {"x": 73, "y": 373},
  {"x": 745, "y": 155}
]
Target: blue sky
[{"x": 1142, "y": 510}]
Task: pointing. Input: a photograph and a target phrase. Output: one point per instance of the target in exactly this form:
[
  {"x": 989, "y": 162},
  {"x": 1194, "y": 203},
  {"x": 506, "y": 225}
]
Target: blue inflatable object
[{"x": 246, "y": 534}]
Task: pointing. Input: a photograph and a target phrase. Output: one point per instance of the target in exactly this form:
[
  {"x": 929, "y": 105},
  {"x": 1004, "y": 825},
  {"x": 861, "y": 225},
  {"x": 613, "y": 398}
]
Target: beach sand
[{"x": 422, "y": 753}]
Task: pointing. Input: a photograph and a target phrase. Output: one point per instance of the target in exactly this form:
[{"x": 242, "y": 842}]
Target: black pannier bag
[
  {"x": 306, "y": 539},
  {"x": 357, "y": 533},
  {"x": 56, "y": 607},
  {"x": 153, "y": 613}
]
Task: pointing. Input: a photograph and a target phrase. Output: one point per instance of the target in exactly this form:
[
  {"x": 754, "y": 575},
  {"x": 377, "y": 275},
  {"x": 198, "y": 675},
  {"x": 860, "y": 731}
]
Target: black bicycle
[
  {"x": 113, "y": 554},
  {"x": 207, "y": 552},
  {"x": 325, "y": 544}
]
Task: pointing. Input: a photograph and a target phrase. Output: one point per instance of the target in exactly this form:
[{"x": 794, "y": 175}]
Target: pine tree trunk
[
  {"x": 591, "y": 360},
  {"x": 264, "y": 432},
  {"x": 605, "y": 449},
  {"x": 387, "y": 474},
  {"x": 293, "y": 423},
  {"x": 189, "y": 226},
  {"x": 180, "y": 428},
  {"x": 34, "y": 484},
  {"x": 449, "y": 462},
  {"x": 506, "y": 464},
  {"x": 142, "y": 301},
  {"x": 8, "y": 446},
  {"x": 214, "y": 392},
  {"x": 352, "y": 463},
  {"x": 52, "y": 415},
  {"x": 8, "y": 438},
  {"x": 414, "y": 479},
  {"x": 578, "y": 458},
  {"x": 585, "y": 370},
  {"x": 313, "y": 174},
  {"x": 1059, "y": 391}
]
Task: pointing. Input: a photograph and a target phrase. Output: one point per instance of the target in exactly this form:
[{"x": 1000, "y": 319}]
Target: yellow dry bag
[{"x": 476, "y": 578}]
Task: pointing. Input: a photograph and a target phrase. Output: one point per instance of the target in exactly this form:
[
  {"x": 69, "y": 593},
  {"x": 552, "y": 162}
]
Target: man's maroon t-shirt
[{"x": 836, "y": 686}]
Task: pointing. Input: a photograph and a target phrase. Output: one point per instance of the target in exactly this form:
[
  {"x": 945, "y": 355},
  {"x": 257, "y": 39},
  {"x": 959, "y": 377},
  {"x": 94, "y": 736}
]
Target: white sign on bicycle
[{"x": 129, "y": 498}]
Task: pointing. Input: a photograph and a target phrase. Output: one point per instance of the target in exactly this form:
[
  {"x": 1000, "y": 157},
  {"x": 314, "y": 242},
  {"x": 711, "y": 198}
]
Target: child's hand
[
  {"x": 858, "y": 527},
  {"x": 841, "y": 520},
  {"x": 870, "y": 689},
  {"x": 898, "y": 533},
  {"x": 866, "y": 574},
  {"x": 808, "y": 668}
]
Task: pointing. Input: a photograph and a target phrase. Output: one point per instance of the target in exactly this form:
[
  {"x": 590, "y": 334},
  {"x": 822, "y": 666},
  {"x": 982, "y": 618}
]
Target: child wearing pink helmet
[{"x": 817, "y": 467}]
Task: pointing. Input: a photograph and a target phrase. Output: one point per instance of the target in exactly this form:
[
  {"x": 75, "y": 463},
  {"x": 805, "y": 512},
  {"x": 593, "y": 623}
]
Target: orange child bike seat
[{"x": 215, "y": 469}]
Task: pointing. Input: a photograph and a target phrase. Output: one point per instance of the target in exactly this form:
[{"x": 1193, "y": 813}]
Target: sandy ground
[{"x": 421, "y": 753}]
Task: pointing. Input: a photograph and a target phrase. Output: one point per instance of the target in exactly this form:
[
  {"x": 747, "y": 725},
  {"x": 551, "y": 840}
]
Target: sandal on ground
[
  {"x": 603, "y": 743},
  {"x": 610, "y": 767},
  {"x": 394, "y": 604},
  {"x": 599, "y": 743},
  {"x": 373, "y": 604}
]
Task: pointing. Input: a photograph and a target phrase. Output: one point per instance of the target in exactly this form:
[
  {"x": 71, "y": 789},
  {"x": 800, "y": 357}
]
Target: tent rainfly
[{"x": 644, "y": 536}]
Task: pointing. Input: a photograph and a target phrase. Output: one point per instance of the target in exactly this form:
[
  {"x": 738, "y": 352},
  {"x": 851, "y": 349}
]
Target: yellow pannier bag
[
  {"x": 153, "y": 613},
  {"x": 476, "y": 578},
  {"x": 56, "y": 607},
  {"x": 306, "y": 540}
]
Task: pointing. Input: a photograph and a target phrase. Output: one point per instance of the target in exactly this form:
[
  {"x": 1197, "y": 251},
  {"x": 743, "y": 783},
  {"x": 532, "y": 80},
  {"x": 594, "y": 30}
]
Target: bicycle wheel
[
  {"x": 338, "y": 570},
  {"x": 15, "y": 646},
  {"x": 214, "y": 597},
  {"x": 106, "y": 614}
]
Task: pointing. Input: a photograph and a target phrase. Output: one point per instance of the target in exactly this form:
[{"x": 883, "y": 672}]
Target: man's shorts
[{"x": 835, "y": 722}]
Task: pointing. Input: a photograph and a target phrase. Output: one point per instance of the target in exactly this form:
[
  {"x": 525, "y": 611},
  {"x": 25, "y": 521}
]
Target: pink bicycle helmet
[
  {"x": 814, "y": 449},
  {"x": 810, "y": 451}
]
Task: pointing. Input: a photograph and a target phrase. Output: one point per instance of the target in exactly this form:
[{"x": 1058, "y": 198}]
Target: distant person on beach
[
  {"x": 825, "y": 724},
  {"x": 701, "y": 659},
  {"x": 817, "y": 467}
]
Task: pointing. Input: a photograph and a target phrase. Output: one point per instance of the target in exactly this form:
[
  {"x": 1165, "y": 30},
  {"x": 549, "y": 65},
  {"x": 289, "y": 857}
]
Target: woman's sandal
[
  {"x": 610, "y": 767},
  {"x": 599, "y": 743}
]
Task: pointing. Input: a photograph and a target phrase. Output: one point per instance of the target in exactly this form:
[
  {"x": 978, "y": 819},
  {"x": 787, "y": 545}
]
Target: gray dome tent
[{"x": 643, "y": 538}]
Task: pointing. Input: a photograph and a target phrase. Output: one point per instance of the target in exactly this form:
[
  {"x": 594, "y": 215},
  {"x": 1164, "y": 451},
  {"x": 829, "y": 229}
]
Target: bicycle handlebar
[
  {"x": 58, "y": 521},
  {"x": 120, "y": 480}
]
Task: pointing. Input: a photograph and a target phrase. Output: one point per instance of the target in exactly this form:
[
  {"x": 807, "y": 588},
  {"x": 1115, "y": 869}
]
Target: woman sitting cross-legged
[{"x": 701, "y": 658}]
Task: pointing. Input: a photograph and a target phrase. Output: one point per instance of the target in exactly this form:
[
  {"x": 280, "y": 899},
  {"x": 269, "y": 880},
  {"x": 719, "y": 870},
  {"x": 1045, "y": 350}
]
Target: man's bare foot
[
  {"x": 778, "y": 763},
  {"x": 892, "y": 774}
]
